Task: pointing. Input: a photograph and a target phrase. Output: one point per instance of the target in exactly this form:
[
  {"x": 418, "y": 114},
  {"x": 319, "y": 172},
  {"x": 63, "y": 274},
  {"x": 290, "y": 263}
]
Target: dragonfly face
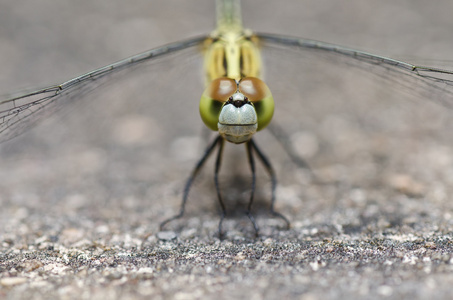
[
  {"x": 237, "y": 119},
  {"x": 237, "y": 109}
]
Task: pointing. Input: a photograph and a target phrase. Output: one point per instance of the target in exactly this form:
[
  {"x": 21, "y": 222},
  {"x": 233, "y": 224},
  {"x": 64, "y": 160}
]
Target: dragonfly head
[{"x": 237, "y": 109}]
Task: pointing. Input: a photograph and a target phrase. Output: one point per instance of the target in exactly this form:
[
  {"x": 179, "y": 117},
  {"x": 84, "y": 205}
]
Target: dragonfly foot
[{"x": 252, "y": 219}]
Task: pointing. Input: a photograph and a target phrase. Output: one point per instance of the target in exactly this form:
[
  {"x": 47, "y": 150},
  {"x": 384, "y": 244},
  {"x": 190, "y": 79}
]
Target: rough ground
[{"x": 82, "y": 194}]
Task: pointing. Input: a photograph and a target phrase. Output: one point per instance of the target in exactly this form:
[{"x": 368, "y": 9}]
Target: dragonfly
[{"x": 233, "y": 77}]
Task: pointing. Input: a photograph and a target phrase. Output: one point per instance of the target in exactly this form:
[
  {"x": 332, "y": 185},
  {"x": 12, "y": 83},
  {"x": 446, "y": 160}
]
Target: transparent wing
[
  {"x": 420, "y": 79},
  {"x": 20, "y": 112},
  {"x": 360, "y": 119}
]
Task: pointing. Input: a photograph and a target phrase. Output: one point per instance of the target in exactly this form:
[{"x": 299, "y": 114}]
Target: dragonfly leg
[
  {"x": 271, "y": 172},
  {"x": 217, "y": 186},
  {"x": 250, "y": 146},
  {"x": 196, "y": 170}
]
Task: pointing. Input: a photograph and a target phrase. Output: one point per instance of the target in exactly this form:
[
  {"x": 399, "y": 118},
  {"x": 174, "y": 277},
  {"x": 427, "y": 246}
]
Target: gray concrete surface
[{"x": 82, "y": 194}]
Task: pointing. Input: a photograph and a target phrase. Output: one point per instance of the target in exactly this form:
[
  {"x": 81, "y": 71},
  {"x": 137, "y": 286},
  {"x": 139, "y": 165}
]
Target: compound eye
[
  {"x": 215, "y": 95},
  {"x": 254, "y": 89}
]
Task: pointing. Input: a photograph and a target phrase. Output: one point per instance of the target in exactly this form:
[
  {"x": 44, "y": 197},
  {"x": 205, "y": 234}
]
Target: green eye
[
  {"x": 210, "y": 111},
  {"x": 213, "y": 98}
]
